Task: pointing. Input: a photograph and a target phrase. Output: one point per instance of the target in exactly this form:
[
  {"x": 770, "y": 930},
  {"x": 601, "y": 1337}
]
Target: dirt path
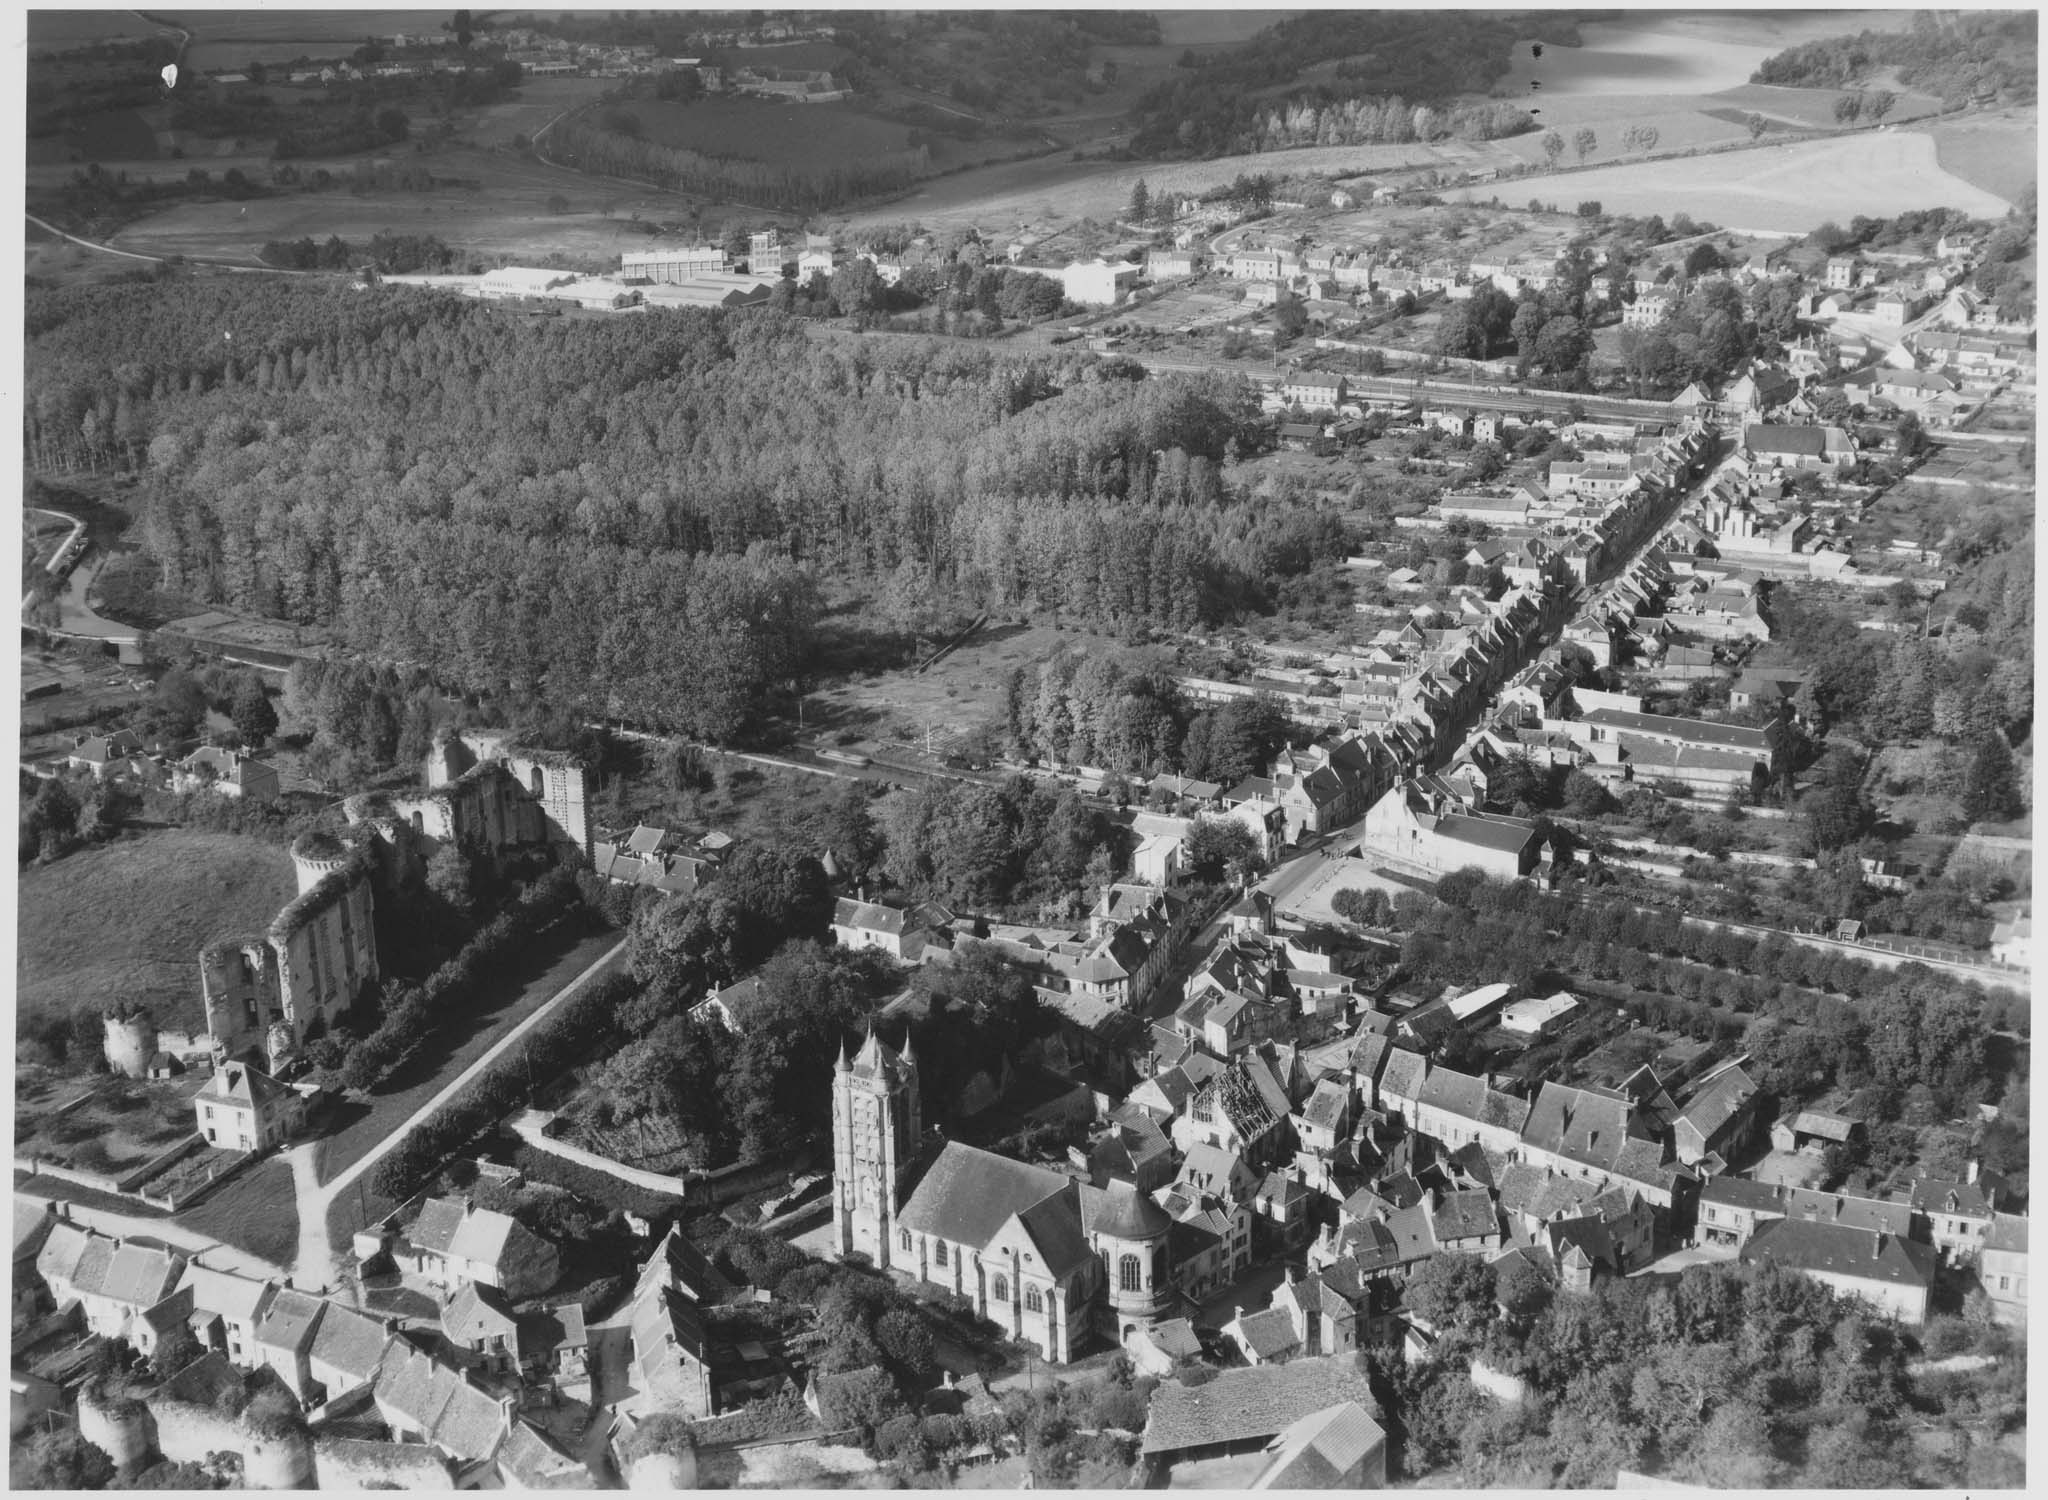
[{"x": 317, "y": 1255}]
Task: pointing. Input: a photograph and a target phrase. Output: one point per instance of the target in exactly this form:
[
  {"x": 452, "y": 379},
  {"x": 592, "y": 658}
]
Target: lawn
[
  {"x": 123, "y": 923},
  {"x": 256, "y": 1211}
]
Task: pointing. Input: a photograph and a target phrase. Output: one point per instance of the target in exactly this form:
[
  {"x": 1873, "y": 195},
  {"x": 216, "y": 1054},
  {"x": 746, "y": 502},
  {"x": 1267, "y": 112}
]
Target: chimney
[
  {"x": 1877, "y": 1245},
  {"x": 1970, "y": 1170}
]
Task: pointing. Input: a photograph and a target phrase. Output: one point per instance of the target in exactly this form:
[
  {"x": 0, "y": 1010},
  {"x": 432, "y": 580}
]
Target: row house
[
  {"x": 119, "y": 1288},
  {"x": 1732, "y": 1209},
  {"x": 1581, "y": 1133}
]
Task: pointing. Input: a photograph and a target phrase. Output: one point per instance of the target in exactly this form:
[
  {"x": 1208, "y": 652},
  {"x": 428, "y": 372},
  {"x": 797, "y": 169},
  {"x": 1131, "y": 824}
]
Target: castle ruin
[{"x": 266, "y": 995}]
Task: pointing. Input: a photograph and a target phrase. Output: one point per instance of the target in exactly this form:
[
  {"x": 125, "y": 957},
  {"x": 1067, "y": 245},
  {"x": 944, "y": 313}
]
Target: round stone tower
[
  {"x": 130, "y": 1042},
  {"x": 316, "y": 855},
  {"x": 1130, "y": 1233}
]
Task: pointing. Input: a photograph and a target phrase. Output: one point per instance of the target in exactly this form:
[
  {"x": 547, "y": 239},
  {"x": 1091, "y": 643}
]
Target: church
[{"x": 1041, "y": 1254}]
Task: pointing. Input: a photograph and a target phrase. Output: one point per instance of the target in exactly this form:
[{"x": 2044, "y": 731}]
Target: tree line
[
  {"x": 1213, "y": 104},
  {"x": 1857, "y": 1024},
  {"x": 1956, "y": 57}
]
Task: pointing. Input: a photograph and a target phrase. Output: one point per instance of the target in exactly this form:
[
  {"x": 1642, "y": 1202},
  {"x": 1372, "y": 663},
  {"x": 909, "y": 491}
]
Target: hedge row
[
  {"x": 501, "y": 1088},
  {"x": 455, "y": 988}
]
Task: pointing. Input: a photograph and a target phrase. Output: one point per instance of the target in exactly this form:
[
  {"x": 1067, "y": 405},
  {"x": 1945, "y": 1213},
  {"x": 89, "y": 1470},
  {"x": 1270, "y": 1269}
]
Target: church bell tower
[{"x": 875, "y": 1132}]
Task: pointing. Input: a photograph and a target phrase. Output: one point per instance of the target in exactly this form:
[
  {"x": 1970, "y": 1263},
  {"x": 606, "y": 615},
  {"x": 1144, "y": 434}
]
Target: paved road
[
  {"x": 157, "y": 260},
  {"x": 317, "y": 1256},
  {"x": 166, "y": 1231}
]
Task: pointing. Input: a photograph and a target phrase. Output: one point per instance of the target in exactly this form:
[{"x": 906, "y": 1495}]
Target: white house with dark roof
[
  {"x": 1412, "y": 827},
  {"x": 2002, "y": 1267},
  {"x": 1890, "y": 1273},
  {"x": 1731, "y": 1209},
  {"x": 452, "y": 1241},
  {"x": 240, "y": 1109},
  {"x": 226, "y": 773},
  {"x": 223, "y": 1311},
  {"x": 899, "y": 932},
  {"x": 284, "y": 1337},
  {"x": 670, "y": 1358},
  {"x": 1720, "y": 1119},
  {"x": 1600, "y": 1139},
  {"x": 347, "y": 1349},
  {"x": 1819, "y": 448}
]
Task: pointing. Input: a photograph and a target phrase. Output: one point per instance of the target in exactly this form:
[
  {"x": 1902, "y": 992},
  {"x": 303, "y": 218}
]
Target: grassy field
[
  {"x": 1792, "y": 187},
  {"x": 954, "y": 695},
  {"x": 507, "y": 215},
  {"x": 534, "y": 103},
  {"x": 230, "y": 38},
  {"x": 1995, "y": 152},
  {"x": 124, "y": 922},
  {"x": 257, "y": 1211},
  {"x": 57, "y": 30},
  {"x": 766, "y": 130}
]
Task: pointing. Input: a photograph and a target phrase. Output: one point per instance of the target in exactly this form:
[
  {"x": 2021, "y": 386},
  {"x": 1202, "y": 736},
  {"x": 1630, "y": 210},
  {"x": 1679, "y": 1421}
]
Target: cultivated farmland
[
  {"x": 1791, "y": 187},
  {"x": 1994, "y": 152},
  {"x": 123, "y": 923}
]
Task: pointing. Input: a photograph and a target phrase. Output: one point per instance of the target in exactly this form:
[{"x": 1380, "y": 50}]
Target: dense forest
[
  {"x": 1957, "y": 56},
  {"x": 1221, "y": 104},
  {"x": 633, "y": 516}
]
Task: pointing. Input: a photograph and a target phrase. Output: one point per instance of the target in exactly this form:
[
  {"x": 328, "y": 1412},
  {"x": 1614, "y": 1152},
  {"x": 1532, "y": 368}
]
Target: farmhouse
[
  {"x": 227, "y": 773},
  {"x": 241, "y": 1109}
]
